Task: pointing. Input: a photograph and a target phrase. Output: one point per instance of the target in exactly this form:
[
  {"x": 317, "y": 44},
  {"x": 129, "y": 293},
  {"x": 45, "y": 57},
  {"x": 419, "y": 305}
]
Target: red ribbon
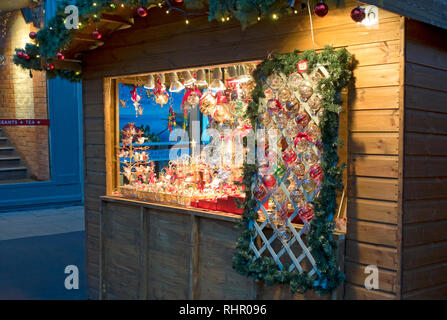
[{"x": 302, "y": 135}]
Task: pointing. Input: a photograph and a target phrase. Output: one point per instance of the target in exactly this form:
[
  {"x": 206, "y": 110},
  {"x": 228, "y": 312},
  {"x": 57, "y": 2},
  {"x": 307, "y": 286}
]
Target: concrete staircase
[{"x": 12, "y": 168}]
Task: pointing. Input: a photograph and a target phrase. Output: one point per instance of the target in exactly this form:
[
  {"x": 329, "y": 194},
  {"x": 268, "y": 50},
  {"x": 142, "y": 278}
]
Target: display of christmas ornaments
[{"x": 292, "y": 105}]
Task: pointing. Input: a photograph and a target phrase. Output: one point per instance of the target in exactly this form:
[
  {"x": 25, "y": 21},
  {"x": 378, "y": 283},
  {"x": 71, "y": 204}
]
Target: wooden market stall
[{"x": 395, "y": 125}]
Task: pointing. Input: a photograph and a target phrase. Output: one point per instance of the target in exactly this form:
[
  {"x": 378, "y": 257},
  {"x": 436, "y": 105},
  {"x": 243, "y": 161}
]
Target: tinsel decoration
[{"x": 320, "y": 236}]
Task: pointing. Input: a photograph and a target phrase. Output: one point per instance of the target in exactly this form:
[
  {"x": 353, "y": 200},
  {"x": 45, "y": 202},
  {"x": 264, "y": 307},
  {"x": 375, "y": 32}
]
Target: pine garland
[{"x": 320, "y": 237}]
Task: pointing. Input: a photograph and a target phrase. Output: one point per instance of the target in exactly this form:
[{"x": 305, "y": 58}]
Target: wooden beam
[{"x": 126, "y": 23}]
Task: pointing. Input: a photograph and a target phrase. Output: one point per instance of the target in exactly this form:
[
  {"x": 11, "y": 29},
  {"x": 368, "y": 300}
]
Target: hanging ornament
[
  {"x": 26, "y": 56},
  {"x": 142, "y": 12},
  {"x": 160, "y": 93},
  {"x": 269, "y": 94},
  {"x": 275, "y": 81},
  {"x": 295, "y": 80},
  {"x": 260, "y": 192},
  {"x": 302, "y": 119},
  {"x": 308, "y": 185},
  {"x": 321, "y": 9},
  {"x": 299, "y": 169},
  {"x": 289, "y": 157},
  {"x": 60, "y": 56},
  {"x": 179, "y": 1},
  {"x": 33, "y": 35},
  {"x": 306, "y": 91},
  {"x": 97, "y": 34},
  {"x": 293, "y": 105},
  {"x": 20, "y": 54},
  {"x": 358, "y": 14},
  {"x": 297, "y": 196},
  {"x": 316, "y": 173},
  {"x": 171, "y": 119},
  {"x": 274, "y": 105},
  {"x": 135, "y": 97},
  {"x": 314, "y": 103},
  {"x": 284, "y": 95},
  {"x": 49, "y": 66},
  {"x": 279, "y": 170},
  {"x": 306, "y": 212},
  {"x": 269, "y": 181}
]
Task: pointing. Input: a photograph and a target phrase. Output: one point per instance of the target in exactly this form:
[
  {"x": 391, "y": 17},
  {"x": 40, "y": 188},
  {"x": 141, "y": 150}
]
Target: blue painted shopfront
[{"x": 65, "y": 186}]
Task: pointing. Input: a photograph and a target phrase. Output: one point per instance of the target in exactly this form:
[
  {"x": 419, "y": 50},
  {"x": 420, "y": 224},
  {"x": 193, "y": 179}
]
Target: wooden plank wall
[
  {"x": 425, "y": 184},
  {"x": 156, "y": 252},
  {"x": 373, "y": 116}
]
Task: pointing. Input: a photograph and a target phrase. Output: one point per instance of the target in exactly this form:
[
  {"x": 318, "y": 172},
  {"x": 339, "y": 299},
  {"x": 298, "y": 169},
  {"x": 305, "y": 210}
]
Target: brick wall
[{"x": 24, "y": 97}]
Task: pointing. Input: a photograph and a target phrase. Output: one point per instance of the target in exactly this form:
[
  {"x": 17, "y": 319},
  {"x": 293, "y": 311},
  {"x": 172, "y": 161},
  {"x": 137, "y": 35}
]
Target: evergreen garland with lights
[
  {"x": 55, "y": 36},
  {"x": 320, "y": 236}
]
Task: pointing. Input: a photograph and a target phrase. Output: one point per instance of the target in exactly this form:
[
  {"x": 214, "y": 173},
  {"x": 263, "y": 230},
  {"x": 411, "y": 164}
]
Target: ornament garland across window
[{"x": 306, "y": 104}]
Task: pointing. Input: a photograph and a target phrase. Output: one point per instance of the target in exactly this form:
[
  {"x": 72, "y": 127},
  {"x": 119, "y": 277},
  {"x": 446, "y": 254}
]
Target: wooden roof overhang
[{"x": 124, "y": 18}]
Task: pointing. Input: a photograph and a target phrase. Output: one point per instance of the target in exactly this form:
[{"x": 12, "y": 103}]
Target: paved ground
[{"x": 35, "y": 248}]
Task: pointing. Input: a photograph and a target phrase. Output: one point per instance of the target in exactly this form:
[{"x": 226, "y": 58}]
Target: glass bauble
[
  {"x": 275, "y": 81},
  {"x": 314, "y": 103},
  {"x": 260, "y": 192},
  {"x": 273, "y": 105},
  {"x": 310, "y": 157},
  {"x": 284, "y": 95},
  {"x": 269, "y": 181},
  {"x": 306, "y": 91},
  {"x": 269, "y": 94},
  {"x": 297, "y": 196},
  {"x": 302, "y": 119},
  {"x": 313, "y": 131},
  {"x": 299, "y": 169},
  {"x": 294, "y": 80}
]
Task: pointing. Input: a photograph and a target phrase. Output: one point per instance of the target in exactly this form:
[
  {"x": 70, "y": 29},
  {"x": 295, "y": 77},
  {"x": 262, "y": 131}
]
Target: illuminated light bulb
[
  {"x": 201, "y": 78},
  {"x": 189, "y": 79},
  {"x": 95, "y": 16},
  {"x": 244, "y": 76},
  {"x": 223, "y": 19},
  {"x": 275, "y": 16},
  {"x": 94, "y": 4},
  {"x": 259, "y": 18},
  {"x": 122, "y": 5},
  {"x": 228, "y": 18},
  {"x": 217, "y": 84},
  {"x": 187, "y": 21},
  {"x": 150, "y": 83},
  {"x": 167, "y": 11},
  {"x": 175, "y": 85}
]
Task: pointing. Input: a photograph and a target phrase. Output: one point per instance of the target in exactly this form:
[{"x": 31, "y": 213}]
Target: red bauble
[
  {"x": 20, "y": 54},
  {"x": 306, "y": 212},
  {"x": 315, "y": 172},
  {"x": 358, "y": 14},
  {"x": 179, "y": 1},
  {"x": 97, "y": 35},
  {"x": 60, "y": 56},
  {"x": 26, "y": 56},
  {"x": 321, "y": 9},
  {"x": 289, "y": 157},
  {"x": 50, "y": 66},
  {"x": 33, "y": 35},
  {"x": 142, "y": 12},
  {"x": 269, "y": 180},
  {"x": 260, "y": 192}
]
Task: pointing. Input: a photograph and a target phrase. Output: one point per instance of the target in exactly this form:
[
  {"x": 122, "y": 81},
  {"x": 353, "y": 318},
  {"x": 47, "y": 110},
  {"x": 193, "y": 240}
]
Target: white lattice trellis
[{"x": 295, "y": 242}]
